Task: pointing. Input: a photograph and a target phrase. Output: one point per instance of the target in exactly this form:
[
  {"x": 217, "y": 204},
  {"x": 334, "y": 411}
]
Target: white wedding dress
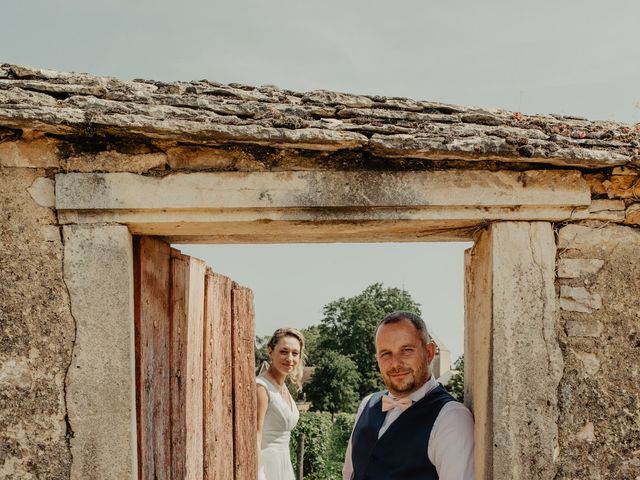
[{"x": 281, "y": 417}]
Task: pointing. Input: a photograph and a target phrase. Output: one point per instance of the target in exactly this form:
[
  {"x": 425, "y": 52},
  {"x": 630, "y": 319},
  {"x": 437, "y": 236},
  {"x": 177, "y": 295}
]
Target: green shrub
[
  {"x": 340, "y": 433},
  {"x": 325, "y": 444},
  {"x": 342, "y": 428},
  {"x": 317, "y": 430}
]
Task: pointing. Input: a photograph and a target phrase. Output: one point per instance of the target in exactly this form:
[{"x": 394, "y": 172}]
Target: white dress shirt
[{"x": 450, "y": 443}]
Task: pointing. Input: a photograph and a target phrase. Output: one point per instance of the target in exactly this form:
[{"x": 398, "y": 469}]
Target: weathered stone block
[
  {"x": 115, "y": 162},
  {"x": 183, "y": 158},
  {"x": 586, "y": 434},
  {"x": 51, "y": 233},
  {"x": 590, "y": 363},
  {"x": 595, "y": 183},
  {"x": 578, "y": 299},
  {"x": 632, "y": 215},
  {"x": 40, "y": 153},
  {"x": 606, "y": 210},
  {"x": 600, "y": 240},
  {"x": 577, "y": 267},
  {"x": 463, "y": 188},
  {"x": 527, "y": 362},
  {"x": 43, "y": 193},
  {"x": 624, "y": 171},
  {"x": 622, "y": 186},
  {"x": 98, "y": 266},
  {"x": 584, "y": 328}
]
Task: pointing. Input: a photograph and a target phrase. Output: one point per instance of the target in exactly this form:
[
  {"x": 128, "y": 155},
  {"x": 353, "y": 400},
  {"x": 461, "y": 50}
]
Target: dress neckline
[{"x": 289, "y": 403}]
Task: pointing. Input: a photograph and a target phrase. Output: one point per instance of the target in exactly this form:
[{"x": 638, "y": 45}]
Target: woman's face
[{"x": 285, "y": 355}]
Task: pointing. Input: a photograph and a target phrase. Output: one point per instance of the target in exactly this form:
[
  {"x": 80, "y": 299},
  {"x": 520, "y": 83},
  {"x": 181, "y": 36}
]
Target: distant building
[
  {"x": 441, "y": 363},
  {"x": 302, "y": 404}
]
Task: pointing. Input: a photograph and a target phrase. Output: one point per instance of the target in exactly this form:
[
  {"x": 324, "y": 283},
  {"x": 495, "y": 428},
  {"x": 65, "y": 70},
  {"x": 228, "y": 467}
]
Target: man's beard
[{"x": 409, "y": 383}]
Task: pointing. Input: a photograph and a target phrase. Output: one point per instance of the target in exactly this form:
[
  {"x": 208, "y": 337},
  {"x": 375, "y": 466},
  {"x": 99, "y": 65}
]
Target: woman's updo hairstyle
[{"x": 296, "y": 374}]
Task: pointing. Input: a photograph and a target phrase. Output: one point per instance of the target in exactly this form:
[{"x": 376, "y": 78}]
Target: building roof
[
  {"x": 439, "y": 343},
  {"x": 367, "y": 129}
]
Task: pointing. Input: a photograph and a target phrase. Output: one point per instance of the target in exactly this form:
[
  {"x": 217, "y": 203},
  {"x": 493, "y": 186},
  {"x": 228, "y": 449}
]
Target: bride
[{"x": 277, "y": 412}]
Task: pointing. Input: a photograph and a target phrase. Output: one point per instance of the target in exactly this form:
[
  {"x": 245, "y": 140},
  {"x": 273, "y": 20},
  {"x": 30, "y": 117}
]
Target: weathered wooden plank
[
  {"x": 152, "y": 323},
  {"x": 218, "y": 401},
  {"x": 244, "y": 386},
  {"x": 187, "y": 300}
]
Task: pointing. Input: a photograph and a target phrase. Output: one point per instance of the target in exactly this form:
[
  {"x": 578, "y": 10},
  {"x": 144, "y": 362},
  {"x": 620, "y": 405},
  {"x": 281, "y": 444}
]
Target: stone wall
[
  {"x": 36, "y": 331},
  {"x": 599, "y": 333},
  {"x": 54, "y": 123}
]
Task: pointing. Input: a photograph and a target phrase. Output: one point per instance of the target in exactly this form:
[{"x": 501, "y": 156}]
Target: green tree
[
  {"x": 260, "y": 349},
  {"x": 348, "y": 326},
  {"x": 455, "y": 385},
  {"x": 334, "y": 385},
  {"x": 311, "y": 339}
]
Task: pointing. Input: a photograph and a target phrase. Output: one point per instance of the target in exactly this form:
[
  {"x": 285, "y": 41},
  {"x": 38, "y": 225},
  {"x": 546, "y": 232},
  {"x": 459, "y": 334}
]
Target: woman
[{"x": 277, "y": 411}]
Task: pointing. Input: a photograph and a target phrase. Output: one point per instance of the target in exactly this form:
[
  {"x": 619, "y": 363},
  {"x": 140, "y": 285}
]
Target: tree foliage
[
  {"x": 334, "y": 385},
  {"x": 455, "y": 385},
  {"x": 260, "y": 349},
  {"x": 325, "y": 444},
  {"x": 349, "y": 324},
  {"x": 311, "y": 339}
]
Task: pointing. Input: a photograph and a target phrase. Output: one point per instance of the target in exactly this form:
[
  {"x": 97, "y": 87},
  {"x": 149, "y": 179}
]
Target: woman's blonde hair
[{"x": 296, "y": 375}]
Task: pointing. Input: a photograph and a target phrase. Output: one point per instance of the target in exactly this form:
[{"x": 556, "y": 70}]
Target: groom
[{"x": 416, "y": 430}]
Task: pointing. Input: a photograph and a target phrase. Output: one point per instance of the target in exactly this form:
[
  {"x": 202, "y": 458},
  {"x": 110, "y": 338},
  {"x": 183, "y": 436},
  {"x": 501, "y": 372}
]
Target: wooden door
[{"x": 195, "y": 387}]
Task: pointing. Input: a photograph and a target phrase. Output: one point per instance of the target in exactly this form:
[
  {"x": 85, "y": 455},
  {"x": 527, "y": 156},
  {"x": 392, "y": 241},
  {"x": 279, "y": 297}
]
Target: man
[{"x": 416, "y": 430}]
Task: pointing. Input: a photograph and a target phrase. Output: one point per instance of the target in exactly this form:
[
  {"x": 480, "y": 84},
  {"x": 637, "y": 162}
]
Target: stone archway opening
[
  {"x": 510, "y": 272},
  {"x": 292, "y": 281}
]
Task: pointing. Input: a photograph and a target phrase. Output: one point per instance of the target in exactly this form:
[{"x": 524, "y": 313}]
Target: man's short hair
[{"x": 400, "y": 315}]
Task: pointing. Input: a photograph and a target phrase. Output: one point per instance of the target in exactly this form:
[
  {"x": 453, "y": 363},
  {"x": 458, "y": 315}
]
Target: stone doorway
[{"x": 511, "y": 301}]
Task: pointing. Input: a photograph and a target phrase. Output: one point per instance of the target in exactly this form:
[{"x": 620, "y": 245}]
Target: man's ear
[{"x": 431, "y": 351}]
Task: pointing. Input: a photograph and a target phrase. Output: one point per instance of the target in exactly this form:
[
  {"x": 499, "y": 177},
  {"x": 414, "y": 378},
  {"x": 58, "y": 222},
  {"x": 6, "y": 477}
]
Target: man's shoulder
[{"x": 455, "y": 412}]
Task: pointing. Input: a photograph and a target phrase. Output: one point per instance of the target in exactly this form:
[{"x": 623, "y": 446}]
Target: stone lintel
[
  {"x": 98, "y": 271},
  {"x": 318, "y": 189},
  {"x": 278, "y": 226},
  {"x": 313, "y": 190}
]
